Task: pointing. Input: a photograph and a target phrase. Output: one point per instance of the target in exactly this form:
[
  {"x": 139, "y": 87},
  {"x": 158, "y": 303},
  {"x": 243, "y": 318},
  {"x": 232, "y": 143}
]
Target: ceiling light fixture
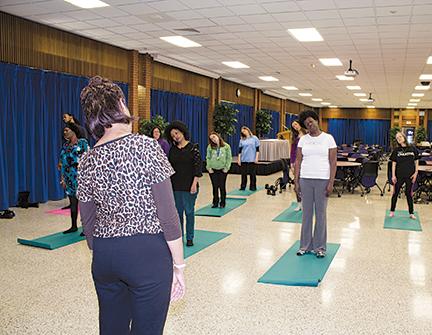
[
  {"x": 425, "y": 77},
  {"x": 306, "y": 35},
  {"x": 181, "y": 41},
  {"x": 363, "y": 100},
  {"x": 409, "y": 107},
  {"x": 88, "y": 3},
  {"x": 422, "y": 88},
  {"x": 360, "y": 94},
  {"x": 353, "y": 88},
  {"x": 342, "y": 77},
  {"x": 326, "y": 103},
  {"x": 370, "y": 106},
  {"x": 412, "y": 104},
  {"x": 330, "y": 61},
  {"x": 414, "y": 100},
  {"x": 290, "y": 88},
  {"x": 417, "y": 95},
  {"x": 317, "y": 99},
  {"x": 236, "y": 65},
  {"x": 429, "y": 60},
  {"x": 333, "y": 106},
  {"x": 305, "y": 94},
  {"x": 268, "y": 78}
]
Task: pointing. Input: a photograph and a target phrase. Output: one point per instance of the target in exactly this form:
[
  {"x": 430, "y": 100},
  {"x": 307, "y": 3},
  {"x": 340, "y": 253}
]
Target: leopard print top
[{"x": 117, "y": 176}]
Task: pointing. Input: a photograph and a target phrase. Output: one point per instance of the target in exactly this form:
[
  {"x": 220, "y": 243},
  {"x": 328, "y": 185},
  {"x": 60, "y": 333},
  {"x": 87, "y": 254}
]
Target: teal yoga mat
[
  {"x": 290, "y": 215},
  {"x": 306, "y": 270},
  {"x": 402, "y": 221},
  {"x": 202, "y": 240},
  {"x": 54, "y": 241},
  {"x": 244, "y": 193},
  {"x": 231, "y": 203}
]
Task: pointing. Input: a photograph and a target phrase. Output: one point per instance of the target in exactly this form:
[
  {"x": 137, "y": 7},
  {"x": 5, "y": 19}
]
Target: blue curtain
[
  {"x": 275, "y": 124},
  {"x": 191, "y": 110},
  {"x": 369, "y": 131},
  {"x": 244, "y": 118},
  {"x": 31, "y": 130},
  {"x": 430, "y": 130}
]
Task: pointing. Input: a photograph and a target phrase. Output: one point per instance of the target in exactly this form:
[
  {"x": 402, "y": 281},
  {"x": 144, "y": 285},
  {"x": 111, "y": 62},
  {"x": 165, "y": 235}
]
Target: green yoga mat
[
  {"x": 54, "y": 241},
  {"x": 244, "y": 193},
  {"x": 402, "y": 221},
  {"x": 202, "y": 240},
  {"x": 290, "y": 215},
  {"x": 231, "y": 203},
  {"x": 293, "y": 270}
]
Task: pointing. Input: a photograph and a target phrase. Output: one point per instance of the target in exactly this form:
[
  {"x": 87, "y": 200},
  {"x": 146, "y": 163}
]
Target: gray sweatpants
[{"x": 314, "y": 199}]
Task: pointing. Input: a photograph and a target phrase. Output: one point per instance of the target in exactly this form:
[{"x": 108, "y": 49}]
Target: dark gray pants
[{"x": 313, "y": 194}]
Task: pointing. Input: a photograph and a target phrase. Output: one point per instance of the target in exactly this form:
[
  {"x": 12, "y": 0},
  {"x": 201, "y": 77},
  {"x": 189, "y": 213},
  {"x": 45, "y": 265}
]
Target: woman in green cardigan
[{"x": 218, "y": 162}]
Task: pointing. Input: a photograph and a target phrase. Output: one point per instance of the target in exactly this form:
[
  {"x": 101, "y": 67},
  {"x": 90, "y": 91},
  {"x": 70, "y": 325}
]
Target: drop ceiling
[{"x": 388, "y": 41}]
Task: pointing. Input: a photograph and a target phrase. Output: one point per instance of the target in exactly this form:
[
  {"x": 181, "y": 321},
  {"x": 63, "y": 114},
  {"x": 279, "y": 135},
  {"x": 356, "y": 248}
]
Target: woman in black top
[
  {"x": 404, "y": 171},
  {"x": 186, "y": 160}
]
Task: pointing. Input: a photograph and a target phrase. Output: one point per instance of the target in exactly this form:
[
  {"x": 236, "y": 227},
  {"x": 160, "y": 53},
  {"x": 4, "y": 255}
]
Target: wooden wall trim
[
  {"x": 356, "y": 113},
  {"x": 32, "y": 44}
]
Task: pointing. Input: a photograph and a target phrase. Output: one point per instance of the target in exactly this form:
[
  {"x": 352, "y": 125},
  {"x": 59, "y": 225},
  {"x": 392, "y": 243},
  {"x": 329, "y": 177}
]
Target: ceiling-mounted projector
[
  {"x": 370, "y": 99},
  {"x": 351, "y": 72}
]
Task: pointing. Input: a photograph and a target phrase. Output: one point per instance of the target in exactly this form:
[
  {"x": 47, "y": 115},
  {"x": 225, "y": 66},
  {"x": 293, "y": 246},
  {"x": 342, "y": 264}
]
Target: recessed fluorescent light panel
[
  {"x": 88, "y": 3},
  {"x": 317, "y": 99},
  {"x": 414, "y": 100},
  {"x": 410, "y": 107},
  {"x": 422, "y": 88},
  {"x": 268, "y": 78},
  {"x": 342, "y": 77},
  {"x": 426, "y": 77},
  {"x": 417, "y": 95},
  {"x": 305, "y": 94},
  {"x": 330, "y": 61},
  {"x": 236, "y": 65},
  {"x": 326, "y": 103},
  {"x": 370, "y": 106},
  {"x": 333, "y": 106},
  {"x": 429, "y": 60},
  {"x": 306, "y": 35},
  {"x": 412, "y": 104},
  {"x": 180, "y": 41},
  {"x": 290, "y": 88},
  {"x": 360, "y": 94},
  {"x": 353, "y": 88},
  {"x": 363, "y": 99}
]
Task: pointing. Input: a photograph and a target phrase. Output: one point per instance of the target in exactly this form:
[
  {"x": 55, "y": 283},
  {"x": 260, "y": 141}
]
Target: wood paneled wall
[
  {"x": 269, "y": 102},
  {"x": 170, "y": 78},
  {"x": 228, "y": 93},
  {"x": 356, "y": 113},
  {"x": 32, "y": 44}
]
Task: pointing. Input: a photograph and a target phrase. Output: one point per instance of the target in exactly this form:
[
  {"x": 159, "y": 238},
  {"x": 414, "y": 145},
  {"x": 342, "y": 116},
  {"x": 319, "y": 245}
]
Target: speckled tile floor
[{"x": 380, "y": 281}]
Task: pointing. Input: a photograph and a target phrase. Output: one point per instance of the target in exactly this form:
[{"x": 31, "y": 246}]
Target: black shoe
[
  {"x": 253, "y": 189},
  {"x": 222, "y": 205},
  {"x": 214, "y": 206},
  {"x": 189, "y": 243},
  {"x": 66, "y": 207},
  {"x": 242, "y": 188},
  {"x": 70, "y": 230},
  {"x": 82, "y": 234}
]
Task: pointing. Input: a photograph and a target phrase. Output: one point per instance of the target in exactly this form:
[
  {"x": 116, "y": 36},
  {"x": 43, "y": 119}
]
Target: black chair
[{"x": 369, "y": 176}]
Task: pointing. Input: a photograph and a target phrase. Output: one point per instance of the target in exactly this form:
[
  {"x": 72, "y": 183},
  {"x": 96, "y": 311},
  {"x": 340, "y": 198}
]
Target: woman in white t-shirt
[{"x": 315, "y": 171}]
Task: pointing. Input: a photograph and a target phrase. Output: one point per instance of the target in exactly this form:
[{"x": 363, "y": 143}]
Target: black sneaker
[
  {"x": 253, "y": 189},
  {"x": 82, "y": 234},
  {"x": 320, "y": 254},
  {"x": 70, "y": 230},
  {"x": 189, "y": 243},
  {"x": 222, "y": 205},
  {"x": 214, "y": 206},
  {"x": 242, "y": 188}
]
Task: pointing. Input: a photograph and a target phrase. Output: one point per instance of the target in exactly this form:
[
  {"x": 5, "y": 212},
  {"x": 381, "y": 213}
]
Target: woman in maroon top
[{"x": 297, "y": 131}]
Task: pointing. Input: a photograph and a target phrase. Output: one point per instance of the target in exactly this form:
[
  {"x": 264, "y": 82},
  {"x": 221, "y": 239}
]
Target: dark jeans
[
  {"x": 248, "y": 169},
  {"x": 133, "y": 278},
  {"x": 218, "y": 180},
  {"x": 408, "y": 193},
  {"x": 185, "y": 204},
  {"x": 74, "y": 210}
]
